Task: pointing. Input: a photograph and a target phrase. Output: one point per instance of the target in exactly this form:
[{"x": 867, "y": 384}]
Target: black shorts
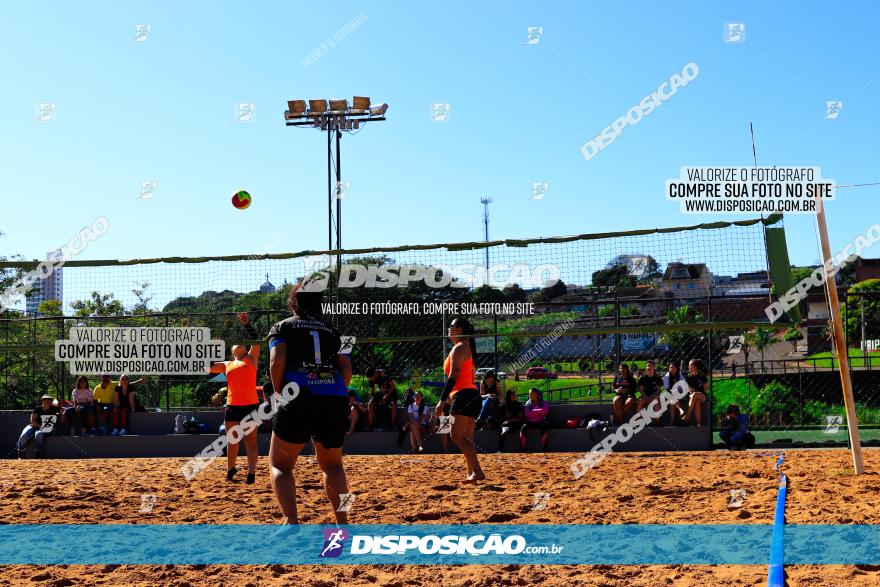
[
  {"x": 323, "y": 418},
  {"x": 237, "y": 413},
  {"x": 466, "y": 402}
]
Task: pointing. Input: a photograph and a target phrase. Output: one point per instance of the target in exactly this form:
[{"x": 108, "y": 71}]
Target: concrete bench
[{"x": 151, "y": 435}]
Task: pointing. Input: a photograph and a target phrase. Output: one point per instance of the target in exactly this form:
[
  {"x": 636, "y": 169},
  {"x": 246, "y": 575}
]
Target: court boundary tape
[{"x": 776, "y": 568}]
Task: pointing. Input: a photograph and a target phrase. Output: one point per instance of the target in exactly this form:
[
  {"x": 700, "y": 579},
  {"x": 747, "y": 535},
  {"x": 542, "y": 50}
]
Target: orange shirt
[
  {"x": 465, "y": 379},
  {"x": 241, "y": 382}
]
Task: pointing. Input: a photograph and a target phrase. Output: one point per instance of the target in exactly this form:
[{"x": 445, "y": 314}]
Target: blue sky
[{"x": 163, "y": 110}]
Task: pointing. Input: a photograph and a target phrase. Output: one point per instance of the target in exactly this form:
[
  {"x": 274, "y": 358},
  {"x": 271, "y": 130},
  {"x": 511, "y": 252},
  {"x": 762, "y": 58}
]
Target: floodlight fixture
[{"x": 334, "y": 116}]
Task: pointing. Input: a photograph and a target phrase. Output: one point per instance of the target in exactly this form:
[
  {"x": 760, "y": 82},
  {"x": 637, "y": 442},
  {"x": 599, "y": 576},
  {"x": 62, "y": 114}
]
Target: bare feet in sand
[{"x": 474, "y": 477}]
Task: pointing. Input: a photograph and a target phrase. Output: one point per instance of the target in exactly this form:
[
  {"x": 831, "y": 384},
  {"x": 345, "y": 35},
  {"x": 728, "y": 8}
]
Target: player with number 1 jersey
[{"x": 304, "y": 350}]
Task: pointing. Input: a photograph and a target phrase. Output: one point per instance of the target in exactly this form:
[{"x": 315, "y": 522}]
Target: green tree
[
  {"x": 486, "y": 294},
  {"x": 614, "y": 276},
  {"x": 683, "y": 341},
  {"x": 800, "y": 273},
  {"x": 607, "y": 311},
  {"x": 871, "y": 307},
  {"x": 554, "y": 290},
  {"x": 774, "y": 403},
  {"x": 760, "y": 338},
  {"x": 50, "y": 308},
  {"x": 514, "y": 293},
  {"x": 8, "y": 276},
  {"x": 98, "y": 305},
  {"x": 141, "y": 292},
  {"x": 793, "y": 335},
  {"x": 847, "y": 274}
]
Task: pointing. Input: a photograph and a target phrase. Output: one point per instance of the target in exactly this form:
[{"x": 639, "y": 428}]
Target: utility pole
[{"x": 486, "y": 202}]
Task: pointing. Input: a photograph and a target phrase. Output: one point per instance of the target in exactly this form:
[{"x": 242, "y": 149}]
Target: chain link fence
[{"x": 788, "y": 383}]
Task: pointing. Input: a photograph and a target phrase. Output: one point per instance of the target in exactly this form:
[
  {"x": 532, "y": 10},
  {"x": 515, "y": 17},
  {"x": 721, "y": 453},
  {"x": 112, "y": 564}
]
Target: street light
[{"x": 334, "y": 118}]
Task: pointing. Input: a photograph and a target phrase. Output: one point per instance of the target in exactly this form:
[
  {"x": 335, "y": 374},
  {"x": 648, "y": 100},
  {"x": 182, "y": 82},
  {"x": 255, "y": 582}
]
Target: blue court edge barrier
[
  {"x": 776, "y": 569},
  {"x": 619, "y": 544}
]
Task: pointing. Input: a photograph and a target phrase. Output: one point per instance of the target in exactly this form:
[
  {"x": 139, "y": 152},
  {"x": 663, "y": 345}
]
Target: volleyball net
[{"x": 572, "y": 307}]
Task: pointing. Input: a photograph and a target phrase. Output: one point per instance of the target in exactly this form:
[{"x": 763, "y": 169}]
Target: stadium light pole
[{"x": 334, "y": 117}]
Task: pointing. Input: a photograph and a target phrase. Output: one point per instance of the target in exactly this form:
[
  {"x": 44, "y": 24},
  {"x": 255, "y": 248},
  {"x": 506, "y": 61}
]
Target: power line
[{"x": 858, "y": 185}]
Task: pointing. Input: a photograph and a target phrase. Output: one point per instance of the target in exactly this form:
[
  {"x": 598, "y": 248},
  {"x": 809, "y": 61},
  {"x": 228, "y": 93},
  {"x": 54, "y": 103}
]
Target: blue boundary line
[{"x": 776, "y": 568}]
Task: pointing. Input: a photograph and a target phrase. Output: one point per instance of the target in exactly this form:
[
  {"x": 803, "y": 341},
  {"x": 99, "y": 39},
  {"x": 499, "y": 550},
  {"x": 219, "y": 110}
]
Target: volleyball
[{"x": 241, "y": 200}]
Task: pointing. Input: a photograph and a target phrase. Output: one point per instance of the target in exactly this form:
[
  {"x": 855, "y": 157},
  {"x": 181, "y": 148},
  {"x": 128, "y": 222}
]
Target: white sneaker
[
  {"x": 123, "y": 432},
  {"x": 115, "y": 432}
]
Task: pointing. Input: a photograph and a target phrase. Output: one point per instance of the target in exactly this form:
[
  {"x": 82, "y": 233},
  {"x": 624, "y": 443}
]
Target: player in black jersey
[{"x": 304, "y": 351}]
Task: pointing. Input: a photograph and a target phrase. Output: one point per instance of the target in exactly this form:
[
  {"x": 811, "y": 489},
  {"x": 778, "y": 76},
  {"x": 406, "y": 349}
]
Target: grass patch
[{"x": 856, "y": 359}]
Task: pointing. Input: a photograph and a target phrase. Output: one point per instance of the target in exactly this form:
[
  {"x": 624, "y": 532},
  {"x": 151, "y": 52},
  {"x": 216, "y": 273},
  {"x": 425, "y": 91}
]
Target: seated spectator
[
  {"x": 673, "y": 376},
  {"x": 357, "y": 414},
  {"x": 81, "y": 414},
  {"x": 488, "y": 420},
  {"x": 696, "y": 380},
  {"x": 123, "y": 405},
  {"x": 514, "y": 415},
  {"x": 735, "y": 429},
  {"x": 382, "y": 407},
  {"x": 650, "y": 385},
  {"x": 103, "y": 398},
  {"x": 44, "y": 418},
  {"x": 536, "y": 412},
  {"x": 419, "y": 421},
  {"x": 624, "y": 387},
  {"x": 409, "y": 397}
]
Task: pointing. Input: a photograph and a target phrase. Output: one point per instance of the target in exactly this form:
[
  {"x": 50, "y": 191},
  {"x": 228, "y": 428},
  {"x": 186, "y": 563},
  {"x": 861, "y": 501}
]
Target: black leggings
[{"x": 543, "y": 425}]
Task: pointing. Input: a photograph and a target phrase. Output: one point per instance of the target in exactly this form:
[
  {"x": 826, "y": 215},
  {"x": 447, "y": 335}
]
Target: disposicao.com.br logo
[
  {"x": 334, "y": 542},
  {"x": 476, "y": 545}
]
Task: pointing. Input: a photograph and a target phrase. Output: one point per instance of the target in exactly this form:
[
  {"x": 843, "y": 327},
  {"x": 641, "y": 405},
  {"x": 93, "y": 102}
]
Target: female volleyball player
[
  {"x": 241, "y": 398},
  {"x": 304, "y": 350},
  {"x": 462, "y": 395}
]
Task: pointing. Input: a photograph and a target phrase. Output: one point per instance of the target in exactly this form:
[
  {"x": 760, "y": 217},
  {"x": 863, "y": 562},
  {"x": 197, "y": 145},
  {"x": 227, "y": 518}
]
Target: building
[
  {"x": 685, "y": 279},
  {"x": 751, "y": 283},
  {"x": 645, "y": 300},
  {"x": 867, "y": 269},
  {"x": 267, "y": 287},
  {"x": 818, "y": 317},
  {"x": 50, "y": 288}
]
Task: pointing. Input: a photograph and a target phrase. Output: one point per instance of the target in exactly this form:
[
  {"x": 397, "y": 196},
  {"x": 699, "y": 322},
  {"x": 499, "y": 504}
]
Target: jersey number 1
[{"x": 317, "y": 341}]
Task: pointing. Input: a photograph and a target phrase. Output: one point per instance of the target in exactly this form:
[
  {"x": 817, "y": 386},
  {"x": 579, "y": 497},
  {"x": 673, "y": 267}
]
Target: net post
[{"x": 840, "y": 343}]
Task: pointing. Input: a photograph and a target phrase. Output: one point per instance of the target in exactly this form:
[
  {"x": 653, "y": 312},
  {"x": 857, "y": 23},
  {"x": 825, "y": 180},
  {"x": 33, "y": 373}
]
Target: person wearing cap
[{"x": 43, "y": 421}]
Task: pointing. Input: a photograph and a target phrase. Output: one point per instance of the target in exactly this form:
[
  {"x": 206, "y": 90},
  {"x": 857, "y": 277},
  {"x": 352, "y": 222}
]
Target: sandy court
[{"x": 630, "y": 488}]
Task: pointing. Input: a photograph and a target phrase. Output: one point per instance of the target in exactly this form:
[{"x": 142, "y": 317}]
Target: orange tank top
[
  {"x": 241, "y": 381},
  {"x": 465, "y": 378}
]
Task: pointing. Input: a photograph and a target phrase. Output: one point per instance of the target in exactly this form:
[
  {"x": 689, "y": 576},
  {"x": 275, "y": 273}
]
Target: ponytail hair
[{"x": 467, "y": 329}]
